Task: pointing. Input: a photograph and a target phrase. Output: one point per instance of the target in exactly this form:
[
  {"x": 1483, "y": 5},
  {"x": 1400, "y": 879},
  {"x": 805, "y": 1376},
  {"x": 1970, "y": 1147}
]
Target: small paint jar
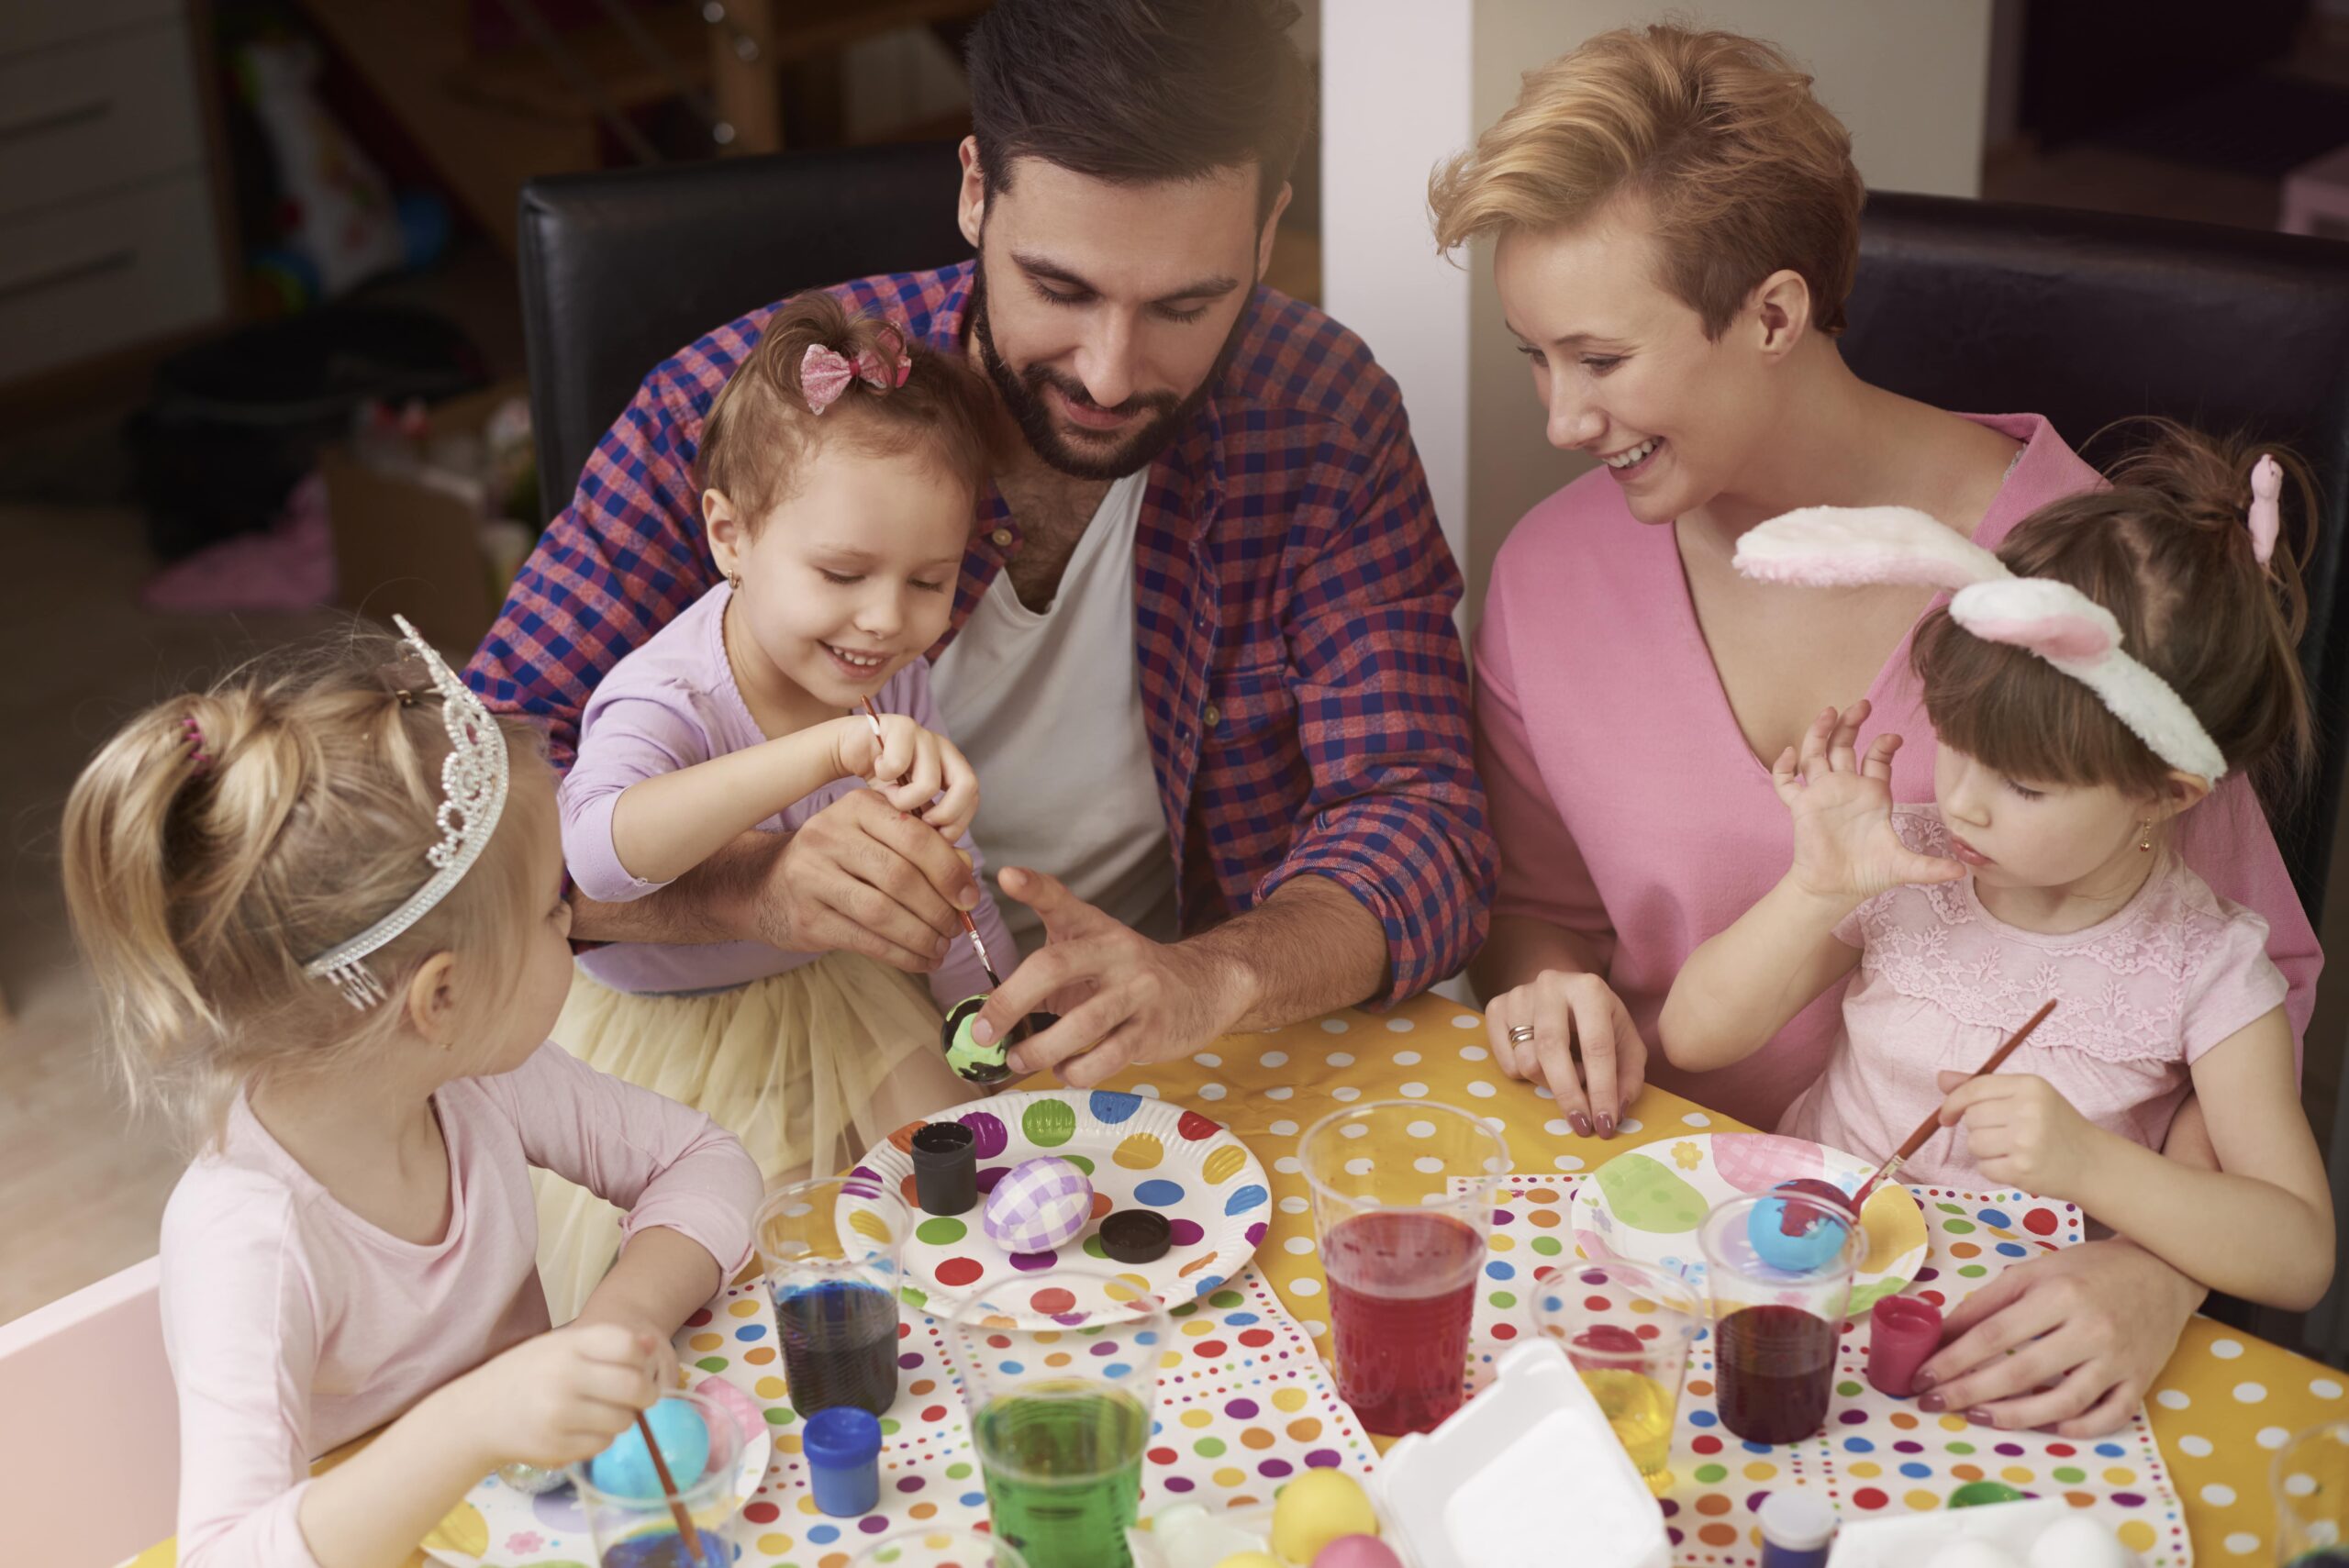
[
  {"x": 843, "y": 1447},
  {"x": 1797, "y": 1531},
  {"x": 1903, "y": 1334},
  {"x": 946, "y": 1168}
]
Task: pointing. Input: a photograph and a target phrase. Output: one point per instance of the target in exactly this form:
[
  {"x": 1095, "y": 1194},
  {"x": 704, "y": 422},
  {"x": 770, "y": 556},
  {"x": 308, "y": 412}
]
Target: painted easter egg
[
  {"x": 1357, "y": 1552},
  {"x": 1317, "y": 1509},
  {"x": 976, "y": 1062},
  {"x": 1756, "y": 1162},
  {"x": 625, "y": 1469},
  {"x": 1795, "y": 1236},
  {"x": 1646, "y": 1194},
  {"x": 1039, "y": 1205}
]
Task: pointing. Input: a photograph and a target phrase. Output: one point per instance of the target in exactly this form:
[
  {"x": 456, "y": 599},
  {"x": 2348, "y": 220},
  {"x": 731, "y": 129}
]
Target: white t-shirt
[{"x": 1046, "y": 708}]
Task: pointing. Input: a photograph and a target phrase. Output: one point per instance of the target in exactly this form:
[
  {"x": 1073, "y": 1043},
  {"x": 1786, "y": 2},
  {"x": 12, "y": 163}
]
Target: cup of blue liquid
[
  {"x": 830, "y": 1252},
  {"x": 632, "y": 1517},
  {"x": 2311, "y": 1480}
]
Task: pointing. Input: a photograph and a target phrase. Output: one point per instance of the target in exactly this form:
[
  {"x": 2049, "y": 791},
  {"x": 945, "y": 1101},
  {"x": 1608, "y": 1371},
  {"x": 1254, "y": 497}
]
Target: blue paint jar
[
  {"x": 843, "y": 1447},
  {"x": 1797, "y": 1531}
]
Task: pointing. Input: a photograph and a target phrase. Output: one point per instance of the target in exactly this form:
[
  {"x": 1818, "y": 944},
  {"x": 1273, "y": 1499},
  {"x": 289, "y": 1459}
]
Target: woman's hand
[
  {"x": 916, "y": 769},
  {"x": 1572, "y": 1016},
  {"x": 2067, "y": 1342},
  {"x": 1845, "y": 843}
]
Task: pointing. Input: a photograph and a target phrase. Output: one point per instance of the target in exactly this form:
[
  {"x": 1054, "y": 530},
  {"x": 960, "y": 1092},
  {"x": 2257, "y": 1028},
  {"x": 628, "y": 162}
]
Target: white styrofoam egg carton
[{"x": 2040, "y": 1533}]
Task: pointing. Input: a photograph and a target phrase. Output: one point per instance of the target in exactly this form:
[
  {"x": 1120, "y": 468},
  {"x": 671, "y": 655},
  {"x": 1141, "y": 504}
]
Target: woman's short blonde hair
[{"x": 1743, "y": 171}]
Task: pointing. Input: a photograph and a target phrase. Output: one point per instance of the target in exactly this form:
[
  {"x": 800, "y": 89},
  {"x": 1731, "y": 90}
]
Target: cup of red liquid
[
  {"x": 1775, "y": 1330},
  {"x": 1403, "y": 1199}
]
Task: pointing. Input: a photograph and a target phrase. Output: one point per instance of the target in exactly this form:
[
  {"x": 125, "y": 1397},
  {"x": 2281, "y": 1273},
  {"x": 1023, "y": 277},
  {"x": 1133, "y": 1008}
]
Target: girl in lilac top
[
  {"x": 325, "y": 904},
  {"x": 2121, "y": 652},
  {"x": 839, "y": 468}
]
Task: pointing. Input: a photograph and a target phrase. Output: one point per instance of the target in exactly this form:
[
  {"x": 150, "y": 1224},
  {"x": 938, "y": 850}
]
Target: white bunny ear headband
[{"x": 1840, "y": 546}]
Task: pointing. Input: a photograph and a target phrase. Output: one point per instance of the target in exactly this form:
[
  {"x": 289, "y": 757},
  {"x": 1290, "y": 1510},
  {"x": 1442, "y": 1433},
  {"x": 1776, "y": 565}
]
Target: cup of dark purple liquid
[
  {"x": 1774, "y": 1329},
  {"x": 830, "y": 1252},
  {"x": 1403, "y": 1200}
]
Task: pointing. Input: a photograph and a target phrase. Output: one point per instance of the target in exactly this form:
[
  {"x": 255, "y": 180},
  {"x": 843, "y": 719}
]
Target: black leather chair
[
  {"x": 2088, "y": 318},
  {"x": 621, "y": 270}
]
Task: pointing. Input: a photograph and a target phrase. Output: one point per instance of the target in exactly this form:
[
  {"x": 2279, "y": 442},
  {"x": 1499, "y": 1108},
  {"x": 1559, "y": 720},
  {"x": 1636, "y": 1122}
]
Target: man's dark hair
[{"x": 1140, "y": 91}]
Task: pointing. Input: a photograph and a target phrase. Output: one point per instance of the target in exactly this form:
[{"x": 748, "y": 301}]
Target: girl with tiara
[
  {"x": 325, "y": 904},
  {"x": 841, "y": 468},
  {"x": 2124, "y": 651}
]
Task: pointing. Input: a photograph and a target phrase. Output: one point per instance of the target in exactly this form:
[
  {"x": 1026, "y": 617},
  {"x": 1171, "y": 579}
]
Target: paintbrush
[
  {"x": 1933, "y": 1123},
  {"x": 685, "y": 1532},
  {"x": 970, "y": 926}
]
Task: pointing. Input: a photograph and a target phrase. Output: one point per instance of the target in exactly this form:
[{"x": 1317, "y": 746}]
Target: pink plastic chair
[{"x": 92, "y": 1447}]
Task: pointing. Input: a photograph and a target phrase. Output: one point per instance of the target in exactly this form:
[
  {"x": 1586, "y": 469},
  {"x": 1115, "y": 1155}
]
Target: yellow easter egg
[
  {"x": 1249, "y": 1560},
  {"x": 1140, "y": 1153},
  {"x": 870, "y": 1226},
  {"x": 1317, "y": 1509},
  {"x": 1225, "y": 1163},
  {"x": 464, "y": 1533}
]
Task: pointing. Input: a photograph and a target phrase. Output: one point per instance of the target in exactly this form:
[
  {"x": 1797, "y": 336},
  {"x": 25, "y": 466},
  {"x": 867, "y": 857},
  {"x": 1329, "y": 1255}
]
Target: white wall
[{"x": 1909, "y": 77}]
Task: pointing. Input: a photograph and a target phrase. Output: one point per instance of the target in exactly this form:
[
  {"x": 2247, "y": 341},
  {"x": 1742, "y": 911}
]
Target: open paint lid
[{"x": 1527, "y": 1463}]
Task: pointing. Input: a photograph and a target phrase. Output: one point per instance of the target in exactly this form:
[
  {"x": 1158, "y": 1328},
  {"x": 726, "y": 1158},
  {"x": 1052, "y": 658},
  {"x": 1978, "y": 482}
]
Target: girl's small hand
[
  {"x": 1845, "y": 846},
  {"x": 915, "y": 770},
  {"x": 2021, "y": 1132},
  {"x": 561, "y": 1397}
]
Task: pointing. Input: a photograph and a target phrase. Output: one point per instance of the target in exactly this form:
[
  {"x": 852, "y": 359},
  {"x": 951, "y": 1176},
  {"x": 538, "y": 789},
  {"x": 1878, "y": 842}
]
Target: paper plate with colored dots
[
  {"x": 1138, "y": 1153},
  {"x": 1646, "y": 1204}
]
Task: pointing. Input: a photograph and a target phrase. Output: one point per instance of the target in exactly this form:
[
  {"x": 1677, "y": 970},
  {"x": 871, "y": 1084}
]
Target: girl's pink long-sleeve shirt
[
  {"x": 294, "y": 1325},
  {"x": 1630, "y": 810}
]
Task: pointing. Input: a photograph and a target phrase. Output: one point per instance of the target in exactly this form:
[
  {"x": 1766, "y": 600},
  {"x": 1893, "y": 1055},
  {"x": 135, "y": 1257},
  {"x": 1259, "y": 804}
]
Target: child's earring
[
  {"x": 2145, "y": 837},
  {"x": 734, "y": 581}
]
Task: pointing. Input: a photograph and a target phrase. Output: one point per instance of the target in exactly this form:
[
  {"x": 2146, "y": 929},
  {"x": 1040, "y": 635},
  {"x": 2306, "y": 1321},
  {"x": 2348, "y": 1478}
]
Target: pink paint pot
[{"x": 1903, "y": 1334}]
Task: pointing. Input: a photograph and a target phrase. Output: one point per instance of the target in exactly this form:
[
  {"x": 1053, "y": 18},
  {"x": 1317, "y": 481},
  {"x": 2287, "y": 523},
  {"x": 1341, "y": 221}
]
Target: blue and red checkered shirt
[{"x": 1299, "y": 674}]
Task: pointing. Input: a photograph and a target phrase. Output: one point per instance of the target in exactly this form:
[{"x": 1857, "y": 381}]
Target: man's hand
[
  {"x": 861, "y": 876},
  {"x": 1121, "y": 997}
]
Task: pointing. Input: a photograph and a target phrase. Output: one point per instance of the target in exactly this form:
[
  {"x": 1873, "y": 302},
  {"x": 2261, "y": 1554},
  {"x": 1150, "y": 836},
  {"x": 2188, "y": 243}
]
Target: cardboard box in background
[{"x": 408, "y": 547}]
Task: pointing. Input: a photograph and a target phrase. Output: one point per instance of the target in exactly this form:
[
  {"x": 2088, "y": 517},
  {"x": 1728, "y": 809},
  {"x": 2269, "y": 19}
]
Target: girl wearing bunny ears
[{"x": 2088, "y": 683}]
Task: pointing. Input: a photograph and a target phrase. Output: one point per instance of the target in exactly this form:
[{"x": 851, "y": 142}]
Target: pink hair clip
[
  {"x": 199, "y": 759},
  {"x": 2267, "y": 517},
  {"x": 824, "y": 373}
]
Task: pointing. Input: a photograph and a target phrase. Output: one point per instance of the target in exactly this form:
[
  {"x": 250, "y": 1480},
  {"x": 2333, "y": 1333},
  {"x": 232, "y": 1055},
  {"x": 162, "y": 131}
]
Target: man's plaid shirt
[{"x": 1299, "y": 674}]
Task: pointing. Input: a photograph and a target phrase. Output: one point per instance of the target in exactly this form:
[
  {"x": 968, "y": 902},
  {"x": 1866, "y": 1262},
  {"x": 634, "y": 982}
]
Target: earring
[
  {"x": 734, "y": 581},
  {"x": 2145, "y": 837}
]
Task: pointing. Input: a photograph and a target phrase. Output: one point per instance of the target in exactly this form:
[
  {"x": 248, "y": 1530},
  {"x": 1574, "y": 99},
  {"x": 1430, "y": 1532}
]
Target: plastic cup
[
  {"x": 2311, "y": 1476},
  {"x": 639, "y": 1530},
  {"x": 1403, "y": 1200},
  {"x": 830, "y": 1248},
  {"x": 1775, "y": 1331},
  {"x": 939, "y": 1549},
  {"x": 1627, "y": 1329},
  {"x": 1061, "y": 1397}
]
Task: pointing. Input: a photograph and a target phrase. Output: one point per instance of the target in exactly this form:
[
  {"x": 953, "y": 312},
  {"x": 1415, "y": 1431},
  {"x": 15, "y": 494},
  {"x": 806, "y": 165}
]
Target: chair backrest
[
  {"x": 621, "y": 270},
  {"x": 2088, "y": 318},
  {"x": 88, "y": 1372}
]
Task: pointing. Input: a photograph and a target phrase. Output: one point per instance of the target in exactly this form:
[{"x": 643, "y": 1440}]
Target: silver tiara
[{"x": 472, "y": 786}]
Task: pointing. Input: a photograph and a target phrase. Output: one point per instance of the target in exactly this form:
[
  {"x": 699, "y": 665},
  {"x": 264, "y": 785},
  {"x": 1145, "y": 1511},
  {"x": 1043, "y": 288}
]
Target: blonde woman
[{"x": 1673, "y": 219}]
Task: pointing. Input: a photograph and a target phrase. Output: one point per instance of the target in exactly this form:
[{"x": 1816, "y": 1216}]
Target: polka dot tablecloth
[{"x": 2225, "y": 1403}]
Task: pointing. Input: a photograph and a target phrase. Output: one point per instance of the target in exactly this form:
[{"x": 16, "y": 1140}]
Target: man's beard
[{"x": 1022, "y": 391}]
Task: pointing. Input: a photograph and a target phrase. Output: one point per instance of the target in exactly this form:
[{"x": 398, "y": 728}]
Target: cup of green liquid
[
  {"x": 938, "y": 1547},
  {"x": 1060, "y": 1370},
  {"x": 2311, "y": 1481}
]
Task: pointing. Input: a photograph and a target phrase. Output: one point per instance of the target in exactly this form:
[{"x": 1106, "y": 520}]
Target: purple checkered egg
[{"x": 1039, "y": 1205}]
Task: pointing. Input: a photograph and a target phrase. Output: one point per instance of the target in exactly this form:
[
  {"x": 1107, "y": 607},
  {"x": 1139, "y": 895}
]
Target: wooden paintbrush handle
[
  {"x": 1933, "y": 1123},
  {"x": 685, "y": 1532}
]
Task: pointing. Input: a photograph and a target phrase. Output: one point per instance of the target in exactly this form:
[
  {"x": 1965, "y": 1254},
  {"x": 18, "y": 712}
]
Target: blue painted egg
[
  {"x": 1807, "y": 1239},
  {"x": 625, "y": 1469}
]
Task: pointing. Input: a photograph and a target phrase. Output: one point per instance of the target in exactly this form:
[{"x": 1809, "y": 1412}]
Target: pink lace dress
[{"x": 1941, "y": 982}]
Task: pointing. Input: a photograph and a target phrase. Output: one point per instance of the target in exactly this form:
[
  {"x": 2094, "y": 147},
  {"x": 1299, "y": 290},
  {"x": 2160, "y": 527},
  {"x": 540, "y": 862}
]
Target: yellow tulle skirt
[{"x": 809, "y": 1069}]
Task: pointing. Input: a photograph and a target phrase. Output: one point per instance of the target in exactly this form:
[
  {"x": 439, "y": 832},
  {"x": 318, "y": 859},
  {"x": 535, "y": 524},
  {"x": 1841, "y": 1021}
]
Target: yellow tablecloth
[{"x": 2224, "y": 1403}]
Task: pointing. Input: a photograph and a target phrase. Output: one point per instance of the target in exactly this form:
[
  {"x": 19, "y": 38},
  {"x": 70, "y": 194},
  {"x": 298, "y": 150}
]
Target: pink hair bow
[
  {"x": 2267, "y": 517},
  {"x": 825, "y": 373},
  {"x": 1850, "y": 545}
]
